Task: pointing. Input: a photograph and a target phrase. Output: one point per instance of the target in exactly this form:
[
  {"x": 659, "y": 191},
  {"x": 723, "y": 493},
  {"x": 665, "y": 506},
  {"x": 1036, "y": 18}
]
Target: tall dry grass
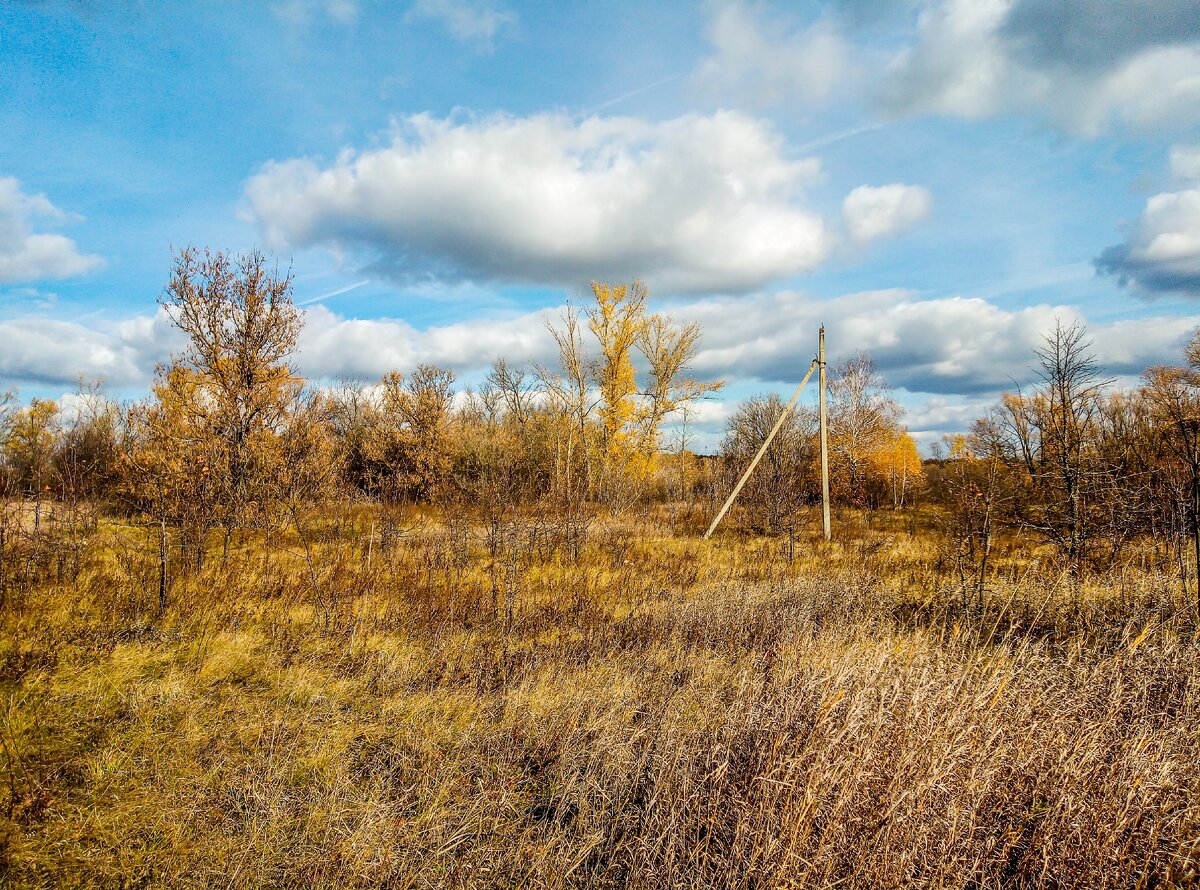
[{"x": 645, "y": 711}]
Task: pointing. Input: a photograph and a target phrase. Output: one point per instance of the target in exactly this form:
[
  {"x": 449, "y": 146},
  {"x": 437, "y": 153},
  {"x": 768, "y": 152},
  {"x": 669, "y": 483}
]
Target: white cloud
[
  {"x": 697, "y": 203},
  {"x": 1128, "y": 347},
  {"x": 873, "y": 212},
  {"x": 762, "y": 63},
  {"x": 469, "y": 21},
  {"x": 1162, "y": 250},
  {"x": 1159, "y": 88},
  {"x": 938, "y": 415},
  {"x": 952, "y": 346},
  {"x": 958, "y": 352},
  {"x": 332, "y": 346},
  {"x": 956, "y": 66},
  {"x": 45, "y": 350},
  {"x": 1185, "y": 162},
  {"x": 81, "y": 404},
  {"x": 26, "y": 255},
  {"x": 1085, "y": 66}
]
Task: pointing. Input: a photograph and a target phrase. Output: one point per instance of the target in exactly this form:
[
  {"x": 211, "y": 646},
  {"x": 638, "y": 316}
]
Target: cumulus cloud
[
  {"x": 44, "y": 350},
  {"x": 952, "y": 346},
  {"x": 949, "y": 346},
  {"x": 332, "y": 346},
  {"x": 1185, "y": 162},
  {"x": 955, "y": 345},
  {"x": 950, "y": 357},
  {"x": 769, "y": 63},
  {"x": 871, "y": 212},
  {"x": 469, "y": 21},
  {"x": 698, "y": 203},
  {"x": 1084, "y": 64},
  {"x": 1162, "y": 251},
  {"x": 28, "y": 255},
  {"x": 957, "y": 66},
  {"x": 938, "y": 416},
  {"x": 1159, "y": 88}
]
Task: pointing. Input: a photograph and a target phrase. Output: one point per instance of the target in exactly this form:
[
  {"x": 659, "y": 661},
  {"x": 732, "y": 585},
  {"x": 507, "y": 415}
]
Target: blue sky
[{"x": 936, "y": 181}]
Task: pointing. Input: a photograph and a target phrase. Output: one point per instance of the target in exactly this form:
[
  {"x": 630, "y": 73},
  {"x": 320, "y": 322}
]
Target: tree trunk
[
  {"x": 162, "y": 565},
  {"x": 1195, "y": 517}
]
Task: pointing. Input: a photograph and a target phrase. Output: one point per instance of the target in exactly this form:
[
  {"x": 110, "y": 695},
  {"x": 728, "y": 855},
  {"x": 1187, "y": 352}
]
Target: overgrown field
[{"x": 523, "y": 705}]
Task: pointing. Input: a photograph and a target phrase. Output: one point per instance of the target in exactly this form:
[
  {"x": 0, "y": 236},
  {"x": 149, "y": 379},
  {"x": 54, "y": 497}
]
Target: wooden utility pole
[
  {"x": 761, "y": 451},
  {"x": 824, "y": 437}
]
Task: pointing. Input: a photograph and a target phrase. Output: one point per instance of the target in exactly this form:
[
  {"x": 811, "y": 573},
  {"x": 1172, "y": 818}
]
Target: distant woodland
[{"x": 233, "y": 438}]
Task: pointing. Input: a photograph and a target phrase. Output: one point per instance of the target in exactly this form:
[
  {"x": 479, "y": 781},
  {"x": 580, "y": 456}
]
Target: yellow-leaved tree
[
  {"x": 176, "y": 466},
  {"x": 32, "y": 433},
  {"x": 617, "y": 321},
  {"x": 29, "y": 447},
  {"x": 221, "y": 409},
  {"x": 629, "y": 413},
  {"x": 900, "y": 464}
]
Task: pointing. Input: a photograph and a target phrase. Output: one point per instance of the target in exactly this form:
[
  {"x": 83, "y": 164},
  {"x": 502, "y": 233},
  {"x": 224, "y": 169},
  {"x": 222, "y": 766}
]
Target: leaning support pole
[
  {"x": 824, "y": 439},
  {"x": 761, "y": 451}
]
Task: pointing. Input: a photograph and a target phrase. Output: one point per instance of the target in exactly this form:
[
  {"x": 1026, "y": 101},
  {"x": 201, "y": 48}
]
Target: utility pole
[
  {"x": 761, "y": 451},
  {"x": 824, "y": 436}
]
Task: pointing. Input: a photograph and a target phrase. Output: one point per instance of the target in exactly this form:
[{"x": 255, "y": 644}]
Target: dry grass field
[{"x": 643, "y": 709}]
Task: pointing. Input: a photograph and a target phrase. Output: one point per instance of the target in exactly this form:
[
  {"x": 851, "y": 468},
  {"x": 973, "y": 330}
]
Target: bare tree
[
  {"x": 1054, "y": 431},
  {"x": 516, "y": 389},
  {"x": 974, "y": 483},
  {"x": 353, "y": 416},
  {"x": 87, "y": 457},
  {"x": 1175, "y": 394},
  {"x": 863, "y": 425},
  {"x": 569, "y": 395},
  {"x": 785, "y": 478},
  {"x": 669, "y": 350}
]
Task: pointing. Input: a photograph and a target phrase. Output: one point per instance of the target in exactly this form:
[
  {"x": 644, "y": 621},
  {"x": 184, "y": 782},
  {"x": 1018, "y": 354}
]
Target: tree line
[
  {"x": 231, "y": 437},
  {"x": 1092, "y": 471}
]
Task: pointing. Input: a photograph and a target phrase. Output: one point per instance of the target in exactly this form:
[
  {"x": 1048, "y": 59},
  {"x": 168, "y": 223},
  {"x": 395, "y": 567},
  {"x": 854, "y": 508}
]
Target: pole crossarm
[{"x": 761, "y": 451}]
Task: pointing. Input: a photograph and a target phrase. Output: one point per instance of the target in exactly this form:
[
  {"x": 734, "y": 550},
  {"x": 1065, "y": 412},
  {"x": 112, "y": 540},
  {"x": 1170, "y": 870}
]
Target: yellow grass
[{"x": 659, "y": 712}]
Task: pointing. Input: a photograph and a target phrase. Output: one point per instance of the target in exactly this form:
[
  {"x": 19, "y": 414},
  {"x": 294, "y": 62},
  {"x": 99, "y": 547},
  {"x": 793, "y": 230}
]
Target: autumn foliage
[{"x": 232, "y": 438}]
